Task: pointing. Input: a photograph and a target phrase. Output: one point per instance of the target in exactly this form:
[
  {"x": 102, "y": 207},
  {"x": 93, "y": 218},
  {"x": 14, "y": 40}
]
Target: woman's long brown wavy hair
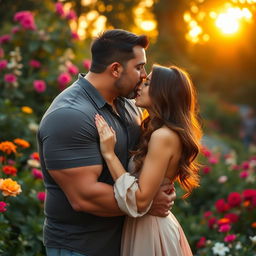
[{"x": 174, "y": 104}]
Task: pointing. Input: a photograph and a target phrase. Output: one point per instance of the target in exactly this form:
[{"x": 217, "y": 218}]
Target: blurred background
[{"x": 43, "y": 46}]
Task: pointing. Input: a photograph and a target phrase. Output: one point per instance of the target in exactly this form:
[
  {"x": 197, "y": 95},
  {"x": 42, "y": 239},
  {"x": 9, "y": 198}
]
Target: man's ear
[{"x": 116, "y": 69}]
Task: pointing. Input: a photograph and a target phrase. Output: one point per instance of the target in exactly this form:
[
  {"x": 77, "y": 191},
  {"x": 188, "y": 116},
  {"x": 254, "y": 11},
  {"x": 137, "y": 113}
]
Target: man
[{"x": 82, "y": 216}]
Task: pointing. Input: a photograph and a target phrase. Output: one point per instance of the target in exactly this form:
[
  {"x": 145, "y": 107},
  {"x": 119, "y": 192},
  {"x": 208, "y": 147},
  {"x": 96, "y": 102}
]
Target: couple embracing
[{"x": 108, "y": 172}]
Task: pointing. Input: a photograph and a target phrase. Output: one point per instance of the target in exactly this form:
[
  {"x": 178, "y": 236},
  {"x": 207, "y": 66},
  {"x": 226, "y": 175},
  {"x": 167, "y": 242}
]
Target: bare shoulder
[{"x": 165, "y": 136}]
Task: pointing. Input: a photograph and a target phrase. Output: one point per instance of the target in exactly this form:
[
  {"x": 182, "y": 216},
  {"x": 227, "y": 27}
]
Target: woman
[{"x": 167, "y": 152}]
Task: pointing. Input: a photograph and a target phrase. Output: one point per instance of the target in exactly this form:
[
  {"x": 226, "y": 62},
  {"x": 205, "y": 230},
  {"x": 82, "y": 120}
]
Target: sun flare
[{"x": 229, "y": 22}]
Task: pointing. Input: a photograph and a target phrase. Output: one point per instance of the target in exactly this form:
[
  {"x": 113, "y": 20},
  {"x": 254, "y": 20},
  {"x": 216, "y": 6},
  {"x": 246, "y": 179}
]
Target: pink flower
[
  {"x": 206, "y": 152},
  {"x": 35, "y": 64},
  {"x": 245, "y": 165},
  {"x": 2, "y": 206},
  {"x": 19, "y": 16},
  {"x": 37, "y": 173},
  {"x": 28, "y": 23},
  {"x": 230, "y": 238},
  {"x": 206, "y": 169},
  {"x": 39, "y": 86},
  {"x": 3, "y": 64},
  {"x": 64, "y": 79},
  {"x": 5, "y": 39},
  {"x": 59, "y": 9},
  {"x": 224, "y": 228},
  {"x": 74, "y": 35},
  {"x": 234, "y": 199},
  {"x": 15, "y": 29},
  {"x": 232, "y": 217},
  {"x": 10, "y": 78},
  {"x": 243, "y": 174},
  {"x": 41, "y": 196},
  {"x": 221, "y": 205},
  {"x": 207, "y": 214},
  {"x": 71, "y": 15},
  {"x": 235, "y": 167},
  {"x": 72, "y": 69},
  {"x": 201, "y": 243},
  {"x": 26, "y": 19},
  {"x": 87, "y": 64},
  {"x": 213, "y": 160}
]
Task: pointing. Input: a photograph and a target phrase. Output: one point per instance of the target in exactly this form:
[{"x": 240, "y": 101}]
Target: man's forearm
[{"x": 100, "y": 201}]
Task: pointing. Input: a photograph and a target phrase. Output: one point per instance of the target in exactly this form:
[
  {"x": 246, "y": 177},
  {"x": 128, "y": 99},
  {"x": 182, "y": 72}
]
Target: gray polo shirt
[{"x": 68, "y": 138}]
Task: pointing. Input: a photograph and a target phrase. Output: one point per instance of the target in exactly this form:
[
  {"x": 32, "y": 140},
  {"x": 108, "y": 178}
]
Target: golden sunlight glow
[
  {"x": 99, "y": 25},
  {"x": 227, "y": 24},
  {"x": 229, "y": 21},
  {"x": 148, "y": 25}
]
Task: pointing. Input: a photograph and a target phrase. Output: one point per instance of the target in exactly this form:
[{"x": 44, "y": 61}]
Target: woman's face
[{"x": 142, "y": 99}]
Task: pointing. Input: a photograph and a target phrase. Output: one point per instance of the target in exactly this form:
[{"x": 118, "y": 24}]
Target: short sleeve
[
  {"x": 125, "y": 188},
  {"x": 69, "y": 139}
]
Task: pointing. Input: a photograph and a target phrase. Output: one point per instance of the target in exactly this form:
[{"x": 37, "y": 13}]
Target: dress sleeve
[{"x": 125, "y": 188}]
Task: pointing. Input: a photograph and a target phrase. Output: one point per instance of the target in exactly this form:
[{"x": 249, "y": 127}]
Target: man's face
[{"x": 133, "y": 74}]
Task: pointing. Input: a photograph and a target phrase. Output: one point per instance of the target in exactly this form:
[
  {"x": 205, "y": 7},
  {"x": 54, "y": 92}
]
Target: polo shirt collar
[{"x": 91, "y": 91}]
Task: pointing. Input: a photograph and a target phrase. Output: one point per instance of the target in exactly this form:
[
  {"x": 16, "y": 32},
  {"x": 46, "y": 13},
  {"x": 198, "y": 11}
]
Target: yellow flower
[
  {"x": 145, "y": 114},
  {"x": 9, "y": 187},
  {"x": 8, "y": 147},
  {"x": 27, "y": 110},
  {"x": 22, "y": 143}
]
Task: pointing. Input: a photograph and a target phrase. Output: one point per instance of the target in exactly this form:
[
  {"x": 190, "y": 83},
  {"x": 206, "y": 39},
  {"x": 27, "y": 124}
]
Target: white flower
[
  {"x": 33, "y": 163},
  {"x": 222, "y": 179},
  {"x": 33, "y": 127},
  {"x": 238, "y": 246},
  {"x": 253, "y": 239},
  {"x": 220, "y": 249}
]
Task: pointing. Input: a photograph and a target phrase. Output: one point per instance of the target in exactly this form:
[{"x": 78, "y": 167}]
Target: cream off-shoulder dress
[{"x": 144, "y": 234}]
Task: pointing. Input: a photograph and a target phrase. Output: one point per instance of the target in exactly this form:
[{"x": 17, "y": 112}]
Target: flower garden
[{"x": 39, "y": 57}]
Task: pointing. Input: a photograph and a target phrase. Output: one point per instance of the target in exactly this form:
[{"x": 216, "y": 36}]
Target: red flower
[
  {"x": 34, "y": 64},
  {"x": 221, "y": 205},
  {"x": 207, "y": 214},
  {"x": 2, "y": 206},
  {"x": 35, "y": 156},
  {"x": 211, "y": 222},
  {"x": 3, "y": 64},
  {"x": 201, "y": 243},
  {"x": 248, "y": 194},
  {"x": 206, "y": 169},
  {"x": 9, "y": 170},
  {"x": 232, "y": 217},
  {"x": 234, "y": 199},
  {"x": 5, "y": 39},
  {"x": 87, "y": 64}
]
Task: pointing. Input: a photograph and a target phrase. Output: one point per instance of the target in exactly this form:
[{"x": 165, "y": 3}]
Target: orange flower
[
  {"x": 254, "y": 224},
  {"x": 8, "y": 147},
  {"x": 22, "y": 143},
  {"x": 9, "y": 187},
  {"x": 27, "y": 110},
  {"x": 246, "y": 203},
  {"x": 223, "y": 221}
]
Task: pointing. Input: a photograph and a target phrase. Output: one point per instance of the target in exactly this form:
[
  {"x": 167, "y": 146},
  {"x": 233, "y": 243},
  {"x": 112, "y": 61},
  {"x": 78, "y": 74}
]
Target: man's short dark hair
[{"x": 114, "y": 45}]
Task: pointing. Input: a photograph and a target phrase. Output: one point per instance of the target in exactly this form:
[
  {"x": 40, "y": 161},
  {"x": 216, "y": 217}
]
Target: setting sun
[{"x": 229, "y": 22}]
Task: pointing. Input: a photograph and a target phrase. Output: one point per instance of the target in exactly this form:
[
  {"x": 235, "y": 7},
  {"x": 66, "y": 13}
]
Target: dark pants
[{"x": 61, "y": 252}]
